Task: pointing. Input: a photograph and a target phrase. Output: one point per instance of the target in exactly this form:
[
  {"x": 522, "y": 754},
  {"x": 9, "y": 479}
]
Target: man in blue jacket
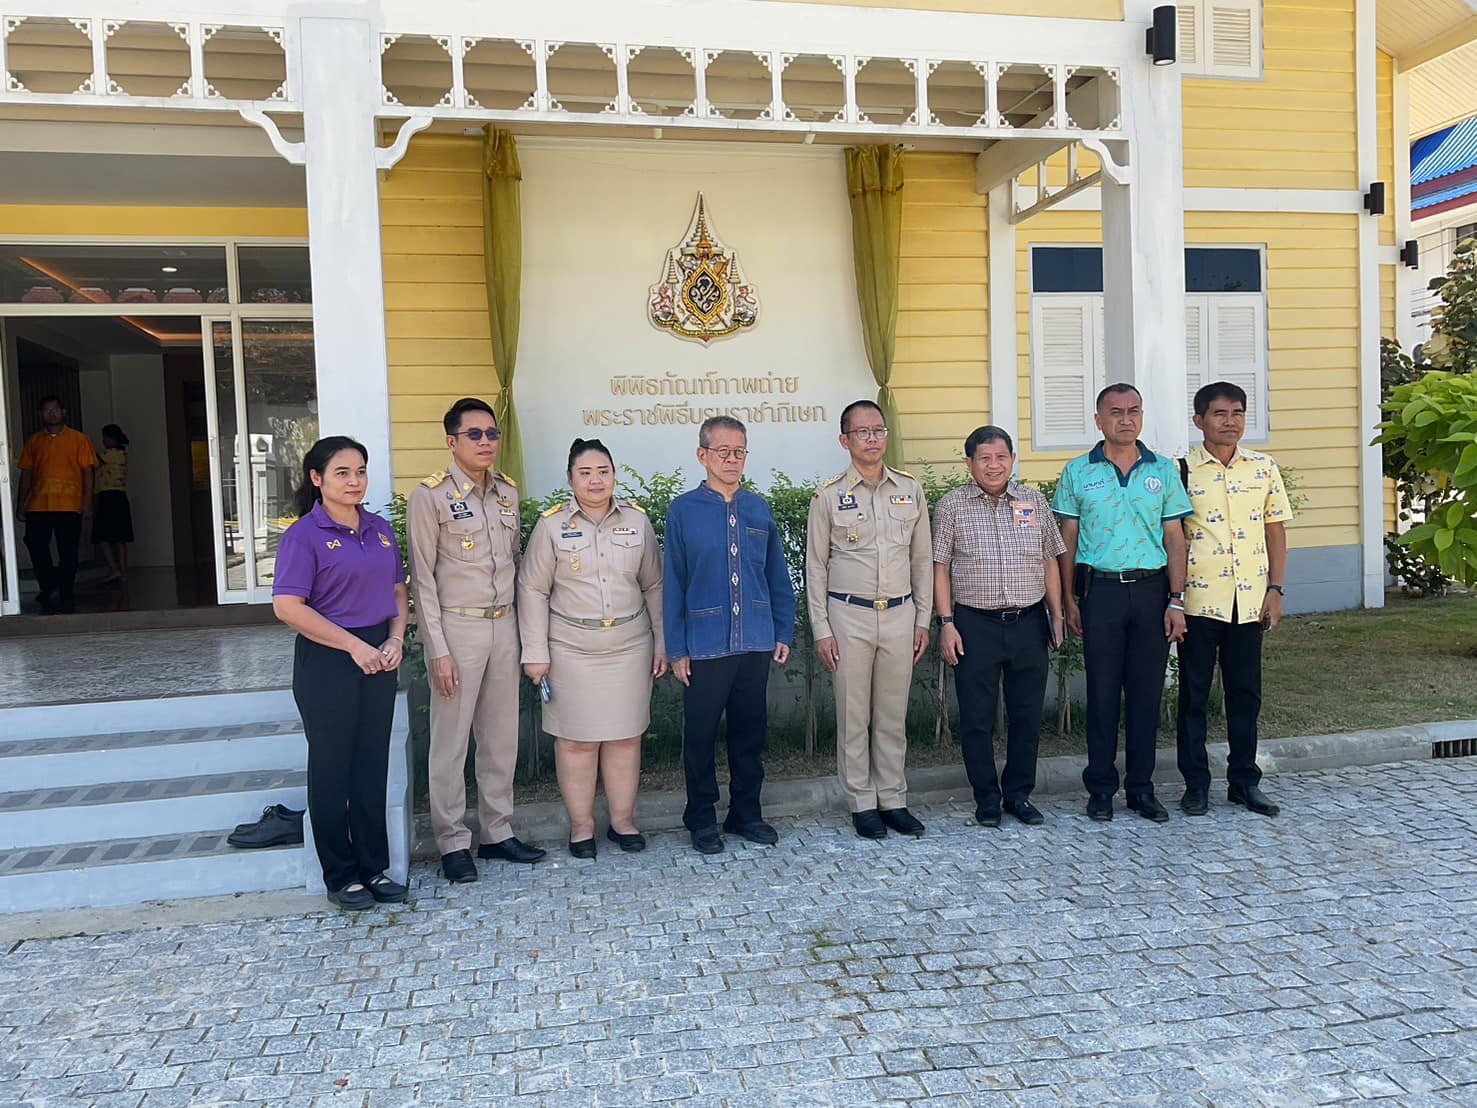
[{"x": 728, "y": 609}]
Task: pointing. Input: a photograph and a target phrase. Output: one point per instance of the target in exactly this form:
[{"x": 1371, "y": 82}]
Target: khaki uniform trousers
[
  {"x": 872, "y": 683},
  {"x": 486, "y": 652}
]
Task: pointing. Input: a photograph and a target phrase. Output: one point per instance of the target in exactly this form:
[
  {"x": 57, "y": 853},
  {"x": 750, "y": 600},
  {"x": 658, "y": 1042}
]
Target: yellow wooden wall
[
  {"x": 436, "y": 326},
  {"x": 102, "y": 221}
]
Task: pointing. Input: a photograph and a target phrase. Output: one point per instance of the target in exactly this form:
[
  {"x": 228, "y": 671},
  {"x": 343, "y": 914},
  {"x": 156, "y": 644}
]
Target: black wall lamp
[
  {"x": 1161, "y": 40},
  {"x": 1374, "y": 199},
  {"x": 1410, "y": 254}
]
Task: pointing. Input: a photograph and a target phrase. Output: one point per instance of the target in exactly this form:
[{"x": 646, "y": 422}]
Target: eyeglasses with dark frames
[{"x": 869, "y": 434}]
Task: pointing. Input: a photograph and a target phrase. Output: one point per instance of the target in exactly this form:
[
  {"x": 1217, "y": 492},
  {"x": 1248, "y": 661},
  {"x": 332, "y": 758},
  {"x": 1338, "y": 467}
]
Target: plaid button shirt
[{"x": 996, "y": 547}]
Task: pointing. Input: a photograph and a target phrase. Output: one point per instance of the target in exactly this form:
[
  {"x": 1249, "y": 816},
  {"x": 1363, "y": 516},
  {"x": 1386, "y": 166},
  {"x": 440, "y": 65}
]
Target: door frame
[{"x": 10, "y": 587}]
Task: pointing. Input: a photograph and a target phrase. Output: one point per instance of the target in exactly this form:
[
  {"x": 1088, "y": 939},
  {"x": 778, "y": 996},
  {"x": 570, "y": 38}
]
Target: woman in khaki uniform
[{"x": 590, "y": 608}]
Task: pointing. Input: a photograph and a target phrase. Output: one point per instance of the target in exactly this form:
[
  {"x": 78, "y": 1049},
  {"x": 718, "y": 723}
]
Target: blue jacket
[{"x": 726, "y": 587}]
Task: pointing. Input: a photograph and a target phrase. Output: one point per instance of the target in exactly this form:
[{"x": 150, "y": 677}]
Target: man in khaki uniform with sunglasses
[{"x": 463, "y": 532}]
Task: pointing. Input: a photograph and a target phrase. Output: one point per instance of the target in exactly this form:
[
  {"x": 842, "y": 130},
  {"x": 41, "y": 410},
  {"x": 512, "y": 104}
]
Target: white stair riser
[
  {"x": 248, "y": 871},
  {"x": 141, "y": 818},
  {"x": 148, "y": 763},
  {"x": 111, "y": 717}
]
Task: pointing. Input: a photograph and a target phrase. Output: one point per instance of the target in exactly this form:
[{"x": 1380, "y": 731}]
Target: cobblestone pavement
[{"x": 1324, "y": 956}]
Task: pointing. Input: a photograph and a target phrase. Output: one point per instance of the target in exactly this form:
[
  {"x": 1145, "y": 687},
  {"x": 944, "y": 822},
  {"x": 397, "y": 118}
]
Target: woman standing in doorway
[
  {"x": 340, "y": 584},
  {"x": 112, "y": 519},
  {"x": 590, "y": 613}
]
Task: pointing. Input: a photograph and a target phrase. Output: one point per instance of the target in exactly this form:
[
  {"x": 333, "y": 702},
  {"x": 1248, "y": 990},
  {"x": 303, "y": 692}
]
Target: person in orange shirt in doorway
[{"x": 55, "y": 495}]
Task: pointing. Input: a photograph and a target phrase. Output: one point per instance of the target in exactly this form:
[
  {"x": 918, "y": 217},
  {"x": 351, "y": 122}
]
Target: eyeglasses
[
  {"x": 476, "y": 434},
  {"x": 869, "y": 434},
  {"x": 726, "y": 453}
]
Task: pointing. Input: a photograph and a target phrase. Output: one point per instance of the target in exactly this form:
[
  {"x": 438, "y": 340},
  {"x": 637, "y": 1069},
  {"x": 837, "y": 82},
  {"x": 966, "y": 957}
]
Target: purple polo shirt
[{"x": 347, "y": 578}]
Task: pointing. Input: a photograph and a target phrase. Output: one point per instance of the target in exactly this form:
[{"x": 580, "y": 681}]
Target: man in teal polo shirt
[{"x": 1123, "y": 580}]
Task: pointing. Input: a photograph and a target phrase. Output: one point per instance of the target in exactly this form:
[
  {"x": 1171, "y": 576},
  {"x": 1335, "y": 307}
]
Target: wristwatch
[
  {"x": 944, "y": 621},
  {"x": 1177, "y": 596},
  {"x": 1277, "y": 589}
]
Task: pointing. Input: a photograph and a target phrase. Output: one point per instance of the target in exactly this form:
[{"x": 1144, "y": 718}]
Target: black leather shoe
[
  {"x": 1195, "y": 802},
  {"x": 386, "y": 891},
  {"x": 351, "y": 898},
  {"x": 706, "y": 840},
  {"x": 1145, "y": 805},
  {"x": 458, "y": 867},
  {"x": 987, "y": 817},
  {"x": 511, "y": 850},
  {"x": 1253, "y": 798},
  {"x": 1099, "y": 807},
  {"x": 279, "y": 826},
  {"x": 585, "y": 848},
  {"x": 869, "y": 824},
  {"x": 1025, "y": 811},
  {"x": 902, "y": 821},
  {"x": 631, "y": 844},
  {"x": 756, "y": 832}
]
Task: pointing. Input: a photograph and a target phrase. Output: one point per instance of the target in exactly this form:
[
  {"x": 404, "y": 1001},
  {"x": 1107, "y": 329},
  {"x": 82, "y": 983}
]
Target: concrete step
[
  {"x": 42, "y": 763},
  {"x": 109, "y": 872},
  {"x": 111, "y": 717},
  {"x": 139, "y": 809}
]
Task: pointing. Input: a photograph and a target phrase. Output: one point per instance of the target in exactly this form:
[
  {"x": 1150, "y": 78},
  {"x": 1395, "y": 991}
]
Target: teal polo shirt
[{"x": 1121, "y": 516}]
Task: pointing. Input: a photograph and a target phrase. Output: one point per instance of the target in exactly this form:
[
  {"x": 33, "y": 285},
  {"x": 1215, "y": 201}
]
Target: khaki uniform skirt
[{"x": 601, "y": 680}]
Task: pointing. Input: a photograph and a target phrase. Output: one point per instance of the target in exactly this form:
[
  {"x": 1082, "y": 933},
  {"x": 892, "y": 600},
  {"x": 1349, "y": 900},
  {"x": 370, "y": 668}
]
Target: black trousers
[
  {"x": 1016, "y": 652},
  {"x": 735, "y": 684},
  {"x": 1239, "y": 648},
  {"x": 1126, "y": 654},
  {"x": 346, "y": 716},
  {"x": 57, "y": 578}
]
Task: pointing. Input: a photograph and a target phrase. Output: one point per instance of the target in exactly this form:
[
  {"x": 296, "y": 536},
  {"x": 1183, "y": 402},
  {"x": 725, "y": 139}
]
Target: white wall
[
  {"x": 598, "y": 219},
  {"x": 1437, "y": 235},
  {"x": 138, "y": 407}
]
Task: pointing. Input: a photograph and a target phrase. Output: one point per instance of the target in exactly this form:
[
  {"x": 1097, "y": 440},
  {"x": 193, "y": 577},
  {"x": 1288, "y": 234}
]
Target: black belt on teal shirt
[
  {"x": 868, "y": 602},
  {"x": 1127, "y": 575}
]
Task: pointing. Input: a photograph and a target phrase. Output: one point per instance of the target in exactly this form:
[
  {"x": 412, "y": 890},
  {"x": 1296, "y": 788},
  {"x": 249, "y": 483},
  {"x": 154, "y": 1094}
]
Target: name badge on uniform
[
  {"x": 506, "y": 512},
  {"x": 623, "y": 531},
  {"x": 900, "y": 499},
  {"x": 459, "y": 510},
  {"x": 572, "y": 535},
  {"x": 846, "y": 500},
  {"x": 385, "y": 540},
  {"x": 1023, "y": 515}
]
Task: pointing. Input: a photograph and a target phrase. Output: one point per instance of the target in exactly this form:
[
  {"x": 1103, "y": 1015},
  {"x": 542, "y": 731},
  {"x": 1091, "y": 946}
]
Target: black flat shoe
[
  {"x": 756, "y": 832},
  {"x": 706, "y": 840},
  {"x": 903, "y": 822},
  {"x": 279, "y": 826},
  {"x": 987, "y": 817},
  {"x": 1025, "y": 811},
  {"x": 386, "y": 891},
  {"x": 633, "y": 843},
  {"x": 352, "y": 898},
  {"x": 1195, "y": 802},
  {"x": 511, "y": 850},
  {"x": 1253, "y": 798},
  {"x": 1100, "y": 808},
  {"x": 585, "y": 848},
  {"x": 869, "y": 824},
  {"x": 1148, "y": 807},
  {"x": 458, "y": 867}
]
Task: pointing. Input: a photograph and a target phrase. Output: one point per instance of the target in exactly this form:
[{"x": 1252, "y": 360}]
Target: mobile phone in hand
[{"x": 545, "y": 690}]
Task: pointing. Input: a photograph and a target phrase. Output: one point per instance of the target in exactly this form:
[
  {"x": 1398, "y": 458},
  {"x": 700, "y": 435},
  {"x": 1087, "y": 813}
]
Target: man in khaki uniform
[
  {"x": 869, "y": 583},
  {"x": 463, "y": 534}
]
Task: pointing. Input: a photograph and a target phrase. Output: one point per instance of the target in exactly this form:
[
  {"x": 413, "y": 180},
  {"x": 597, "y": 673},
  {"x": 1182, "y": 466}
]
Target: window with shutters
[
  {"x": 1220, "y": 38},
  {"x": 1225, "y": 338}
]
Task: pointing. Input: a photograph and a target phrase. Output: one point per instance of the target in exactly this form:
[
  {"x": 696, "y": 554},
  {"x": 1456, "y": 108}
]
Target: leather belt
[
  {"x": 1004, "y": 615},
  {"x": 602, "y": 624},
  {"x": 1125, "y": 576},
  {"x": 868, "y": 602},
  {"x": 481, "y": 613}
]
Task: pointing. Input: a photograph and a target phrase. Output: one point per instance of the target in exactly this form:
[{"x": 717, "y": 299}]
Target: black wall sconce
[
  {"x": 1374, "y": 199},
  {"x": 1161, "y": 40},
  {"x": 1410, "y": 254}
]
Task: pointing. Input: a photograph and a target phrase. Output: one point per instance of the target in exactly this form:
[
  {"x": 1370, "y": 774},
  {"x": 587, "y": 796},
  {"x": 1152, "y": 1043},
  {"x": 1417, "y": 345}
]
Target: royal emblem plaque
[{"x": 703, "y": 293}]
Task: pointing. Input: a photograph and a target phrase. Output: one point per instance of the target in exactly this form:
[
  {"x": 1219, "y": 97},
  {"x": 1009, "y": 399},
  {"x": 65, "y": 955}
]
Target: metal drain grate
[{"x": 1454, "y": 748}]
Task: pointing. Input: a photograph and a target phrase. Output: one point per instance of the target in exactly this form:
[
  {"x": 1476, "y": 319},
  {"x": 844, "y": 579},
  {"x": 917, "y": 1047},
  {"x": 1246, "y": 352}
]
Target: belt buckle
[
  {"x": 607, "y": 623},
  {"x": 1010, "y": 617},
  {"x": 1125, "y": 577},
  {"x": 879, "y": 605}
]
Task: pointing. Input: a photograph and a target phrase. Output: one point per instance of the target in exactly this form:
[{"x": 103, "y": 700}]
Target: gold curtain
[
  {"x": 874, "y": 180},
  {"x": 502, "y": 252}
]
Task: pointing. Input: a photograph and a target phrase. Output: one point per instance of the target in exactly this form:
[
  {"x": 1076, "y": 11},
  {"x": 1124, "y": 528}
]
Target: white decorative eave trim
[
  {"x": 386, "y": 157},
  {"x": 295, "y": 153}
]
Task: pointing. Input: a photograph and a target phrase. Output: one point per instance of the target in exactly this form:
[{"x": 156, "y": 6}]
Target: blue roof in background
[
  {"x": 1456, "y": 192},
  {"x": 1442, "y": 153}
]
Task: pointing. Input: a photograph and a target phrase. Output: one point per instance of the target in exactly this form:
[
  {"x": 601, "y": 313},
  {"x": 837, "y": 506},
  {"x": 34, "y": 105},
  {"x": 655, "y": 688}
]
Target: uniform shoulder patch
[
  {"x": 633, "y": 506},
  {"x": 555, "y": 510},
  {"x": 904, "y": 473},
  {"x": 828, "y": 483},
  {"x": 505, "y": 479},
  {"x": 435, "y": 479}
]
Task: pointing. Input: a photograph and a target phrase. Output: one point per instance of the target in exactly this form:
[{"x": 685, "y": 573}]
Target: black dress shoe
[
  {"x": 1253, "y": 798},
  {"x": 458, "y": 867},
  {"x": 987, "y": 817},
  {"x": 1025, "y": 811},
  {"x": 706, "y": 840},
  {"x": 385, "y": 890},
  {"x": 869, "y": 824},
  {"x": 631, "y": 844},
  {"x": 511, "y": 850},
  {"x": 352, "y": 899},
  {"x": 902, "y": 821},
  {"x": 1195, "y": 802},
  {"x": 1099, "y": 807},
  {"x": 279, "y": 826},
  {"x": 756, "y": 832},
  {"x": 585, "y": 848},
  {"x": 1145, "y": 805}
]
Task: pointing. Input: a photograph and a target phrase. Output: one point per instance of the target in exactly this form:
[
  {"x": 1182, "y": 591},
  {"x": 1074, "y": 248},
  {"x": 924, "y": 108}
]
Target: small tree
[{"x": 1453, "y": 344}]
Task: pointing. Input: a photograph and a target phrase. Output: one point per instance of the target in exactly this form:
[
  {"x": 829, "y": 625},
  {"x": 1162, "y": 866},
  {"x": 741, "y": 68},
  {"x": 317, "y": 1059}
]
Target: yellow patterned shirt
[{"x": 1227, "y": 532}]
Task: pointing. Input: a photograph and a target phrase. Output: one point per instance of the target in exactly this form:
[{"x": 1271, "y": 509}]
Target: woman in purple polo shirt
[{"x": 340, "y": 584}]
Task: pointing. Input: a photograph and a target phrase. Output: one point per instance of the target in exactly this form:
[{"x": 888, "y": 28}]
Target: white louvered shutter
[
  {"x": 1236, "y": 335},
  {"x": 1233, "y": 38},
  {"x": 1187, "y": 18},
  {"x": 1063, "y": 353},
  {"x": 1197, "y": 318}
]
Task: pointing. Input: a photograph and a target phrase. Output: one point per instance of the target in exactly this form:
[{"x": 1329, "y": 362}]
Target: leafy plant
[
  {"x": 1452, "y": 347},
  {"x": 1414, "y": 574}
]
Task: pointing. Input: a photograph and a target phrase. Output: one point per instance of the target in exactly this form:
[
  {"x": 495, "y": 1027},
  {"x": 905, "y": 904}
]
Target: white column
[
  {"x": 337, "y": 48},
  {"x": 1371, "y": 468},
  {"x": 1406, "y": 280},
  {"x": 1004, "y": 361},
  {"x": 1144, "y": 250}
]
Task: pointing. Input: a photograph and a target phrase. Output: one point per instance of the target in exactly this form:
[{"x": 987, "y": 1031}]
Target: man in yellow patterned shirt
[{"x": 1237, "y": 542}]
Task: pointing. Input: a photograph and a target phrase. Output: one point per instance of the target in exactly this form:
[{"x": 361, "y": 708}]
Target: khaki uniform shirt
[
  {"x": 585, "y": 570},
  {"x": 464, "y": 545},
  {"x": 869, "y": 541}
]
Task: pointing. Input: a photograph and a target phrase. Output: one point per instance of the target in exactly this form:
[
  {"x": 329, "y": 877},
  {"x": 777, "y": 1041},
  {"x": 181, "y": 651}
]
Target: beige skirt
[{"x": 601, "y": 680}]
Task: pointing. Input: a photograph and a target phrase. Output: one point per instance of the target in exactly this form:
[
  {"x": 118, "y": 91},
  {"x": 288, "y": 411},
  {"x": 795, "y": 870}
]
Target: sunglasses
[{"x": 476, "y": 434}]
